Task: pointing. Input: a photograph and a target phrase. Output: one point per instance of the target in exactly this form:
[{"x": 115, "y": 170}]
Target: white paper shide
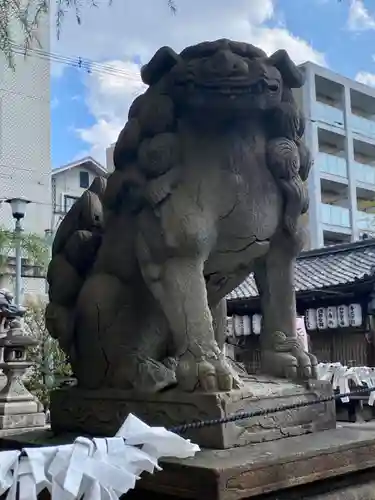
[
  {"x": 91, "y": 469},
  {"x": 340, "y": 376}
]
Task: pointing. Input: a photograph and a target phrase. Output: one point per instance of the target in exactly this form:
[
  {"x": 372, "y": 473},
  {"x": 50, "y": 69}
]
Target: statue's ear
[
  {"x": 293, "y": 77},
  {"x": 163, "y": 61}
]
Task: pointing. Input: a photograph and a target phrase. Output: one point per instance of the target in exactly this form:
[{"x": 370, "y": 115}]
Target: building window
[
  {"x": 84, "y": 179},
  {"x": 69, "y": 202}
]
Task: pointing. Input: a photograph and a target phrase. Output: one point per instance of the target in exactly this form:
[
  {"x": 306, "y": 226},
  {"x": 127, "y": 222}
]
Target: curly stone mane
[{"x": 147, "y": 151}]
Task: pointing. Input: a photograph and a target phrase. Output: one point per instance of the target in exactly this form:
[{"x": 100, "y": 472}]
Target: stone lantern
[{"x": 18, "y": 407}]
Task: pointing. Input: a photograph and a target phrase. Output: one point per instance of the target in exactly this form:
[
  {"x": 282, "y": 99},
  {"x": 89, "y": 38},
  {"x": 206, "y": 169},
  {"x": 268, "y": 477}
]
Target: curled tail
[{"x": 74, "y": 250}]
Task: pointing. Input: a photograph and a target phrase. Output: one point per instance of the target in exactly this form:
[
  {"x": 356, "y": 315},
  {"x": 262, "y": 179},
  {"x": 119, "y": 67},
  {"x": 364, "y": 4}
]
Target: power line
[
  {"x": 87, "y": 65},
  {"x": 78, "y": 61}
]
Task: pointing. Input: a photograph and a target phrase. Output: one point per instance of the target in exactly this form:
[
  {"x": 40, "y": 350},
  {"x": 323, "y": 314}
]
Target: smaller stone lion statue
[{"x": 208, "y": 186}]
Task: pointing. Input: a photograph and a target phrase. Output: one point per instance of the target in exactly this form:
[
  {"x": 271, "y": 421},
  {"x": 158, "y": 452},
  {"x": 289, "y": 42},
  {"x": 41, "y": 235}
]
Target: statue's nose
[{"x": 225, "y": 63}]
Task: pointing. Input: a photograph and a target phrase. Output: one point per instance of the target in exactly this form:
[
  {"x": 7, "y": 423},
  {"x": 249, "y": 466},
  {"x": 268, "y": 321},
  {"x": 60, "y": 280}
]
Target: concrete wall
[
  {"x": 32, "y": 287},
  {"x": 25, "y": 134},
  {"x": 25, "y": 153}
]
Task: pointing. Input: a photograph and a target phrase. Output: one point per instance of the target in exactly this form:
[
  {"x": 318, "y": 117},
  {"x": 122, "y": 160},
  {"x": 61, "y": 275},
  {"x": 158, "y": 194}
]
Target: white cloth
[{"x": 97, "y": 469}]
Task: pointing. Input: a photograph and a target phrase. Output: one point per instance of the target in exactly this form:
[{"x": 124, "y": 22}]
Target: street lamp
[{"x": 18, "y": 206}]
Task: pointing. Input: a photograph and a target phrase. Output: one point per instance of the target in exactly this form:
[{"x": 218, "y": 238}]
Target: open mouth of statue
[{"x": 257, "y": 88}]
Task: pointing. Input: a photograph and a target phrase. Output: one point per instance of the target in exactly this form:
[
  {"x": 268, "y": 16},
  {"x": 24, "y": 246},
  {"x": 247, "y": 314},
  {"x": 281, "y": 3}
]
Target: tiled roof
[{"x": 323, "y": 268}]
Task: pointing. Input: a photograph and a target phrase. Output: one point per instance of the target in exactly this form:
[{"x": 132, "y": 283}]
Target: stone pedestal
[
  {"x": 18, "y": 407},
  {"x": 102, "y": 412},
  {"x": 319, "y": 466}
]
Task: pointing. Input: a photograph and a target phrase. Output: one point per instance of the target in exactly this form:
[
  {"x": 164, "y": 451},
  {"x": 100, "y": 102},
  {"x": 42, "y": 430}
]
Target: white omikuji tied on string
[
  {"x": 97, "y": 469},
  {"x": 8, "y": 469},
  {"x": 341, "y": 375},
  {"x": 325, "y": 371}
]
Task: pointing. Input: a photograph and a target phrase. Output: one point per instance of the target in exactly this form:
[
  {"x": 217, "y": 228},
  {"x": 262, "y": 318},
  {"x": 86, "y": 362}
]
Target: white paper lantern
[
  {"x": 301, "y": 332},
  {"x": 332, "y": 321},
  {"x": 256, "y": 323},
  {"x": 237, "y": 326},
  {"x": 343, "y": 316},
  {"x": 321, "y": 318},
  {"x": 246, "y": 325},
  {"x": 355, "y": 315},
  {"x": 230, "y": 332},
  {"x": 310, "y": 319}
]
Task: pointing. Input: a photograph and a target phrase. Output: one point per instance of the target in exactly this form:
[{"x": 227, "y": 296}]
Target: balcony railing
[
  {"x": 364, "y": 173},
  {"x": 332, "y": 165},
  {"x": 362, "y": 125},
  {"x": 365, "y": 221},
  {"x": 329, "y": 114},
  {"x": 333, "y": 215}
]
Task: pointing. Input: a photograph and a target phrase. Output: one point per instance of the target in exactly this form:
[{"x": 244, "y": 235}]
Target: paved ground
[{"x": 366, "y": 426}]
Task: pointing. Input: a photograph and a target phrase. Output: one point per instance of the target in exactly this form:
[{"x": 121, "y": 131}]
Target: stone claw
[
  {"x": 296, "y": 365},
  {"x": 207, "y": 373},
  {"x": 288, "y": 359}
]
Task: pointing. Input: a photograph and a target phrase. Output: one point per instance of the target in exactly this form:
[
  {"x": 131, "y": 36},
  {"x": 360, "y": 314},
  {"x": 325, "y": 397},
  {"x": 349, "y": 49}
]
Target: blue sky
[
  {"x": 68, "y": 112},
  {"x": 88, "y": 110}
]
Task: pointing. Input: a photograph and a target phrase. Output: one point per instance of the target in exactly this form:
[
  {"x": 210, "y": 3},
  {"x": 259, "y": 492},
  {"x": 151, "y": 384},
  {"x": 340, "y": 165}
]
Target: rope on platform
[
  {"x": 337, "y": 374},
  {"x": 180, "y": 429}
]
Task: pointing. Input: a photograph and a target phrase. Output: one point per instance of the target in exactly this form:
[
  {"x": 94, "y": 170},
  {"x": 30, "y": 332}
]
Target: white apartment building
[
  {"x": 340, "y": 132},
  {"x": 25, "y": 166},
  {"x": 25, "y": 152},
  {"x": 68, "y": 184}
]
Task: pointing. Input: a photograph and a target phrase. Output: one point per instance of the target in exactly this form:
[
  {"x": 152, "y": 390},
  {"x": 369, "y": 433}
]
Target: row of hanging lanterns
[
  {"x": 322, "y": 318},
  {"x": 325, "y": 318}
]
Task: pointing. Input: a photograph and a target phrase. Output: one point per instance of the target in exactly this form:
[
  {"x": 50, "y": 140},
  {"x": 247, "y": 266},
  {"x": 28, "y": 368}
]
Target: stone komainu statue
[{"x": 208, "y": 187}]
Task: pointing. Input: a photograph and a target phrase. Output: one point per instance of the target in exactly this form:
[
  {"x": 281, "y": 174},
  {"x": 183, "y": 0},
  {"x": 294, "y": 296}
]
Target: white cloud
[
  {"x": 360, "y": 18},
  {"x": 272, "y": 39},
  {"x": 366, "y": 78},
  {"x": 108, "y": 100},
  {"x": 116, "y": 34},
  {"x": 128, "y": 27}
]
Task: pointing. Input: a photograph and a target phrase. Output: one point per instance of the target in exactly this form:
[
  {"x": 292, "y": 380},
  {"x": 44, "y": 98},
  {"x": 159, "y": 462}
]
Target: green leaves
[
  {"x": 34, "y": 248},
  {"x": 64, "y": 5},
  {"x": 26, "y": 16},
  {"x": 20, "y": 16},
  {"x": 50, "y": 365}
]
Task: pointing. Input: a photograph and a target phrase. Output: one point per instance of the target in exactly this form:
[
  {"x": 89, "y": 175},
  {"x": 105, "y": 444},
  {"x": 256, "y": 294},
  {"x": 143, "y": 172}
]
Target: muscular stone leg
[
  {"x": 282, "y": 354},
  {"x": 219, "y": 317},
  {"x": 219, "y": 322},
  {"x": 117, "y": 347},
  {"x": 179, "y": 286}
]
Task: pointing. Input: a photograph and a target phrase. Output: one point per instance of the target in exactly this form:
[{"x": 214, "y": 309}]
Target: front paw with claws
[
  {"x": 288, "y": 359},
  {"x": 209, "y": 372}
]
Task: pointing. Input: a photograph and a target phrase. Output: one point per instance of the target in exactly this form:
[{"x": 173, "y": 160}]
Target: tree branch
[{"x": 27, "y": 15}]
